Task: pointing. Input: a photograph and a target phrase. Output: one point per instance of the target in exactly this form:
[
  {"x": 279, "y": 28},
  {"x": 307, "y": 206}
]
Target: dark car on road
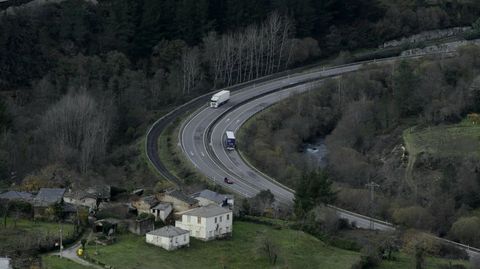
[{"x": 228, "y": 181}]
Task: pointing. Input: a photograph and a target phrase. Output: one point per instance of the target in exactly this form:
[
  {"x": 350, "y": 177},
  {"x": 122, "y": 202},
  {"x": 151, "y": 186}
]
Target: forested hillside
[
  {"x": 80, "y": 81},
  {"x": 411, "y": 127}
]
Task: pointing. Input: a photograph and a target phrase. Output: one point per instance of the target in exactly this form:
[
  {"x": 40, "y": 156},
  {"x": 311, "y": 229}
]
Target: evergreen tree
[{"x": 313, "y": 188}]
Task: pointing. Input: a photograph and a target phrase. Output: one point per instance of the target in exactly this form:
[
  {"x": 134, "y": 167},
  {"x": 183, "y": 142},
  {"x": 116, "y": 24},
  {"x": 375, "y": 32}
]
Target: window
[
  {"x": 228, "y": 216},
  {"x": 199, "y": 220},
  {"x": 215, "y": 219},
  {"x": 220, "y": 218},
  {"x": 176, "y": 240},
  {"x": 185, "y": 238},
  {"x": 188, "y": 219}
]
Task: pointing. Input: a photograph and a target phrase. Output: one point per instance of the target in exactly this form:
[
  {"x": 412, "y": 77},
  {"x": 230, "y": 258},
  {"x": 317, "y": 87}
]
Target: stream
[{"x": 316, "y": 152}]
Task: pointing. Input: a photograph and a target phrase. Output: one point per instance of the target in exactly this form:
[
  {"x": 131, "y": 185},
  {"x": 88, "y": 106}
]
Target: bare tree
[
  {"x": 76, "y": 128},
  {"x": 267, "y": 247},
  {"x": 256, "y": 51},
  {"x": 190, "y": 69}
]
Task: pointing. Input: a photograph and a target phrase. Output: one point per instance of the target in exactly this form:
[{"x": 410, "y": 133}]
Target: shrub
[{"x": 466, "y": 230}]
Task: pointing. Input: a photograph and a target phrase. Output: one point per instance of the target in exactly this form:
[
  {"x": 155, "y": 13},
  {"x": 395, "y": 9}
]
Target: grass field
[
  {"x": 457, "y": 140},
  {"x": 296, "y": 250},
  {"x": 54, "y": 262},
  {"x": 404, "y": 261},
  {"x": 12, "y": 236}
]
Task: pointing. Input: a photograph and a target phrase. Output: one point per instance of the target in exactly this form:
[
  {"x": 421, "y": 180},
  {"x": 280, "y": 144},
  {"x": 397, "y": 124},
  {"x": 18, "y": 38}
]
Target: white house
[
  {"x": 207, "y": 222},
  {"x": 161, "y": 211},
  {"x": 169, "y": 237},
  {"x": 207, "y": 197}
]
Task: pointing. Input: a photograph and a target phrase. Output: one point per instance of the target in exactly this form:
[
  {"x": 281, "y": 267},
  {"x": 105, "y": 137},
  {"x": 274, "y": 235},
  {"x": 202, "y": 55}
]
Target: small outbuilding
[
  {"x": 161, "y": 211},
  {"x": 142, "y": 225},
  {"x": 169, "y": 237},
  {"x": 208, "y": 197}
]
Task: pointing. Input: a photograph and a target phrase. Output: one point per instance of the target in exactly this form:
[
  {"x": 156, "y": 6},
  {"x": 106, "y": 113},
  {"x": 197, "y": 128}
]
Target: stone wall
[
  {"x": 441, "y": 48},
  {"x": 425, "y": 36}
]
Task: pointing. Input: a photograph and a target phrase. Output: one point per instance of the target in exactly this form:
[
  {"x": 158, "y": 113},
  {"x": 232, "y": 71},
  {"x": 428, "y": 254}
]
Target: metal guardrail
[{"x": 363, "y": 216}]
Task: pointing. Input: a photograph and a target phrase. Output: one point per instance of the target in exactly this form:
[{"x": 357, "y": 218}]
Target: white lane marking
[{"x": 203, "y": 155}]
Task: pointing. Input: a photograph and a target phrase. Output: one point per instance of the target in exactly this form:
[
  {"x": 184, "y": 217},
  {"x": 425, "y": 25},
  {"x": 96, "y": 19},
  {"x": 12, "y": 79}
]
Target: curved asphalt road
[
  {"x": 208, "y": 154},
  {"x": 202, "y": 135}
]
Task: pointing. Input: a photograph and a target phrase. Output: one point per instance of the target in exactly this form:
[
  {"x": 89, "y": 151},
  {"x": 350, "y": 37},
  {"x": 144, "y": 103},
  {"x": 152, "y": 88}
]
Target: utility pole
[
  {"x": 372, "y": 185},
  {"x": 61, "y": 243}
]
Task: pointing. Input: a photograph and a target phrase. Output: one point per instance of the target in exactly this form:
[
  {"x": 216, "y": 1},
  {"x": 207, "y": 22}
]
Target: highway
[
  {"x": 201, "y": 137},
  {"x": 207, "y": 152}
]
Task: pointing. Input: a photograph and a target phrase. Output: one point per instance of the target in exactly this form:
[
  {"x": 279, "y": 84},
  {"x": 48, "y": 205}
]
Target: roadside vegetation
[
  {"x": 411, "y": 127},
  {"x": 55, "y": 262}
]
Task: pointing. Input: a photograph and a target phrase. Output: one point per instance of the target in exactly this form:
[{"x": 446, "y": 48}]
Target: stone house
[
  {"x": 90, "y": 197},
  {"x": 180, "y": 201},
  {"x": 145, "y": 204},
  {"x": 168, "y": 237},
  {"x": 45, "y": 198},
  {"x": 17, "y": 196}
]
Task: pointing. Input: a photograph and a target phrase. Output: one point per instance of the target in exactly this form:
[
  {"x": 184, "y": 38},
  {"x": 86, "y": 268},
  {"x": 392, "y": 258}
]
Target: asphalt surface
[
  {"x": 202, "y": 137},
  {"x": 201, "y": 148}
]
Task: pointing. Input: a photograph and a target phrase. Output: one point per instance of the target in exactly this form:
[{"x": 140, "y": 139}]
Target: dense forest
[
  {"x": 80, "y": 81},
  {"x": 410, "y": 127}
]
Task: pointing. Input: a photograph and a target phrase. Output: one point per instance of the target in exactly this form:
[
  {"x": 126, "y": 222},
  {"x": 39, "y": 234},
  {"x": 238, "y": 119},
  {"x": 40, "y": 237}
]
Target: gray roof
[
  {"x": 79, "y": 194},
  {"x": 150, "y": 200},
  {"x": 100, "y": 191},
  {"x": 168, "y": 231},
  {"x": 182, "y": 197},
  {"x": 206, "y": 211},
  {"x": 162, "y": 206},
  {"x": 108, "y": 220},
  {"x": 212, "y": 196},
  {"x": 48, "y": 196},
  {"x": 16, "y": 195},
  {"x": 95, "y": 192}
]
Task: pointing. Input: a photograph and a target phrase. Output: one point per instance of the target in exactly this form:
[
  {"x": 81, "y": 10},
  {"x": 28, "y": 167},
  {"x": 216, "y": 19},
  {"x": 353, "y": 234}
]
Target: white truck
[{"x": 219, "y": 98}]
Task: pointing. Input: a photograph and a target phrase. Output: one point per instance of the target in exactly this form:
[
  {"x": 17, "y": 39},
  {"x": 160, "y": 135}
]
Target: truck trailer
[
  {"x": 219, "y": 98},
  {"x": 229, "y": 140}
]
